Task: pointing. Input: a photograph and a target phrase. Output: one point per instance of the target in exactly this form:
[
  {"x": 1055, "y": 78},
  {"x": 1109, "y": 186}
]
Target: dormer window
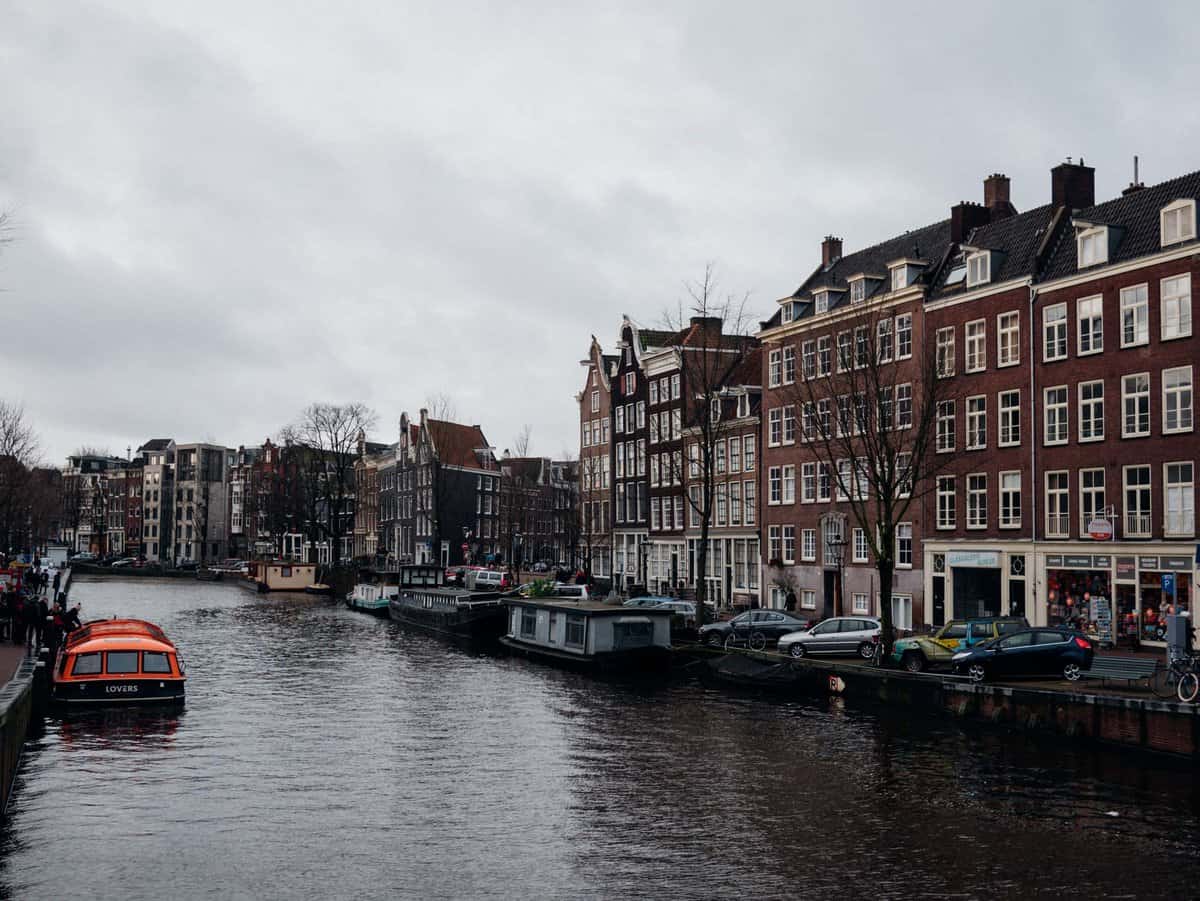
[
  {"x": 858, "y": 290},
  {"x": 788, "y": 312},
  {"x": 899, "y": 277},
  {"x": 743, "y": 406},
  {"x": 821, "y": 302},
  {"x": 979, "y": 269},
  {"x": 1092, "y": 246},
  {"x": 1178, "y": 222}
]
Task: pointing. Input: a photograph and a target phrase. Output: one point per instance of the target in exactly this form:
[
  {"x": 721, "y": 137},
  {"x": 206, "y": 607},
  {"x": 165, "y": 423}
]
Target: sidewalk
[{"x": 11, "y": 656}]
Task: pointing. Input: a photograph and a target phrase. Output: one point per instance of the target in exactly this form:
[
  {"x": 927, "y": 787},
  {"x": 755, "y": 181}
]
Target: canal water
[{"x": 325, "y": 754}]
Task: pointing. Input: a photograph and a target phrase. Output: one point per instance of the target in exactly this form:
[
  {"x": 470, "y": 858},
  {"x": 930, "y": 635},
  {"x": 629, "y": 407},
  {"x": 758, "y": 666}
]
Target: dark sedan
[
  {"x": 1062, "y": 653},
  {"x": 753, "y": 628}
]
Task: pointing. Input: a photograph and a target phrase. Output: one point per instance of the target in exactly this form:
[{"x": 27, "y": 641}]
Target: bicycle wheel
[
  {"x": 1188, "y": 687},
  {"x": 1165, "y": 681}
]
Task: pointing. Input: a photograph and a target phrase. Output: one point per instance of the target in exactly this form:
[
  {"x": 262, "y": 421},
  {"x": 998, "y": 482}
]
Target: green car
[{"x": 922, "y": 652}]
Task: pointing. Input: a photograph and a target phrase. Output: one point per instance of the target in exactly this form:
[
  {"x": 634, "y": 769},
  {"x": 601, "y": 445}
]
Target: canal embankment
[{"x": 1123, "y": 718}]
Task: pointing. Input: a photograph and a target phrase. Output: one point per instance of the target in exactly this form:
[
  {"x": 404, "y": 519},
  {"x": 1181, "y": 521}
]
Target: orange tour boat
[{"x": 118, "y": 661}]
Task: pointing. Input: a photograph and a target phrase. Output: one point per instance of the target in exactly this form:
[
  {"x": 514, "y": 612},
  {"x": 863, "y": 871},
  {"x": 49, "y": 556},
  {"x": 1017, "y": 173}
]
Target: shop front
[
  {"x": 1079, "y": 594},
  {"x": 976, "y": 582},
  {"x": 1150, "y": 588}
]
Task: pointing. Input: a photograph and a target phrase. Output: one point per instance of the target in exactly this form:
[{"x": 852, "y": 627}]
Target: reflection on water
[{"x": 326, "y": 754}]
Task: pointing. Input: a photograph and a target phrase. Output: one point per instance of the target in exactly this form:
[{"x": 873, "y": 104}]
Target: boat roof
[
  {"x": 590, "y": 606},
  {"x": 132, "y": 628},
  {"x": 99, "y": 643}
]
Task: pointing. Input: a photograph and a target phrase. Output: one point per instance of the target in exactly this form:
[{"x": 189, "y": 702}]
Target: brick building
[
  {"x": 630, "y": 432},
  {"x": 595, "y": 463}
]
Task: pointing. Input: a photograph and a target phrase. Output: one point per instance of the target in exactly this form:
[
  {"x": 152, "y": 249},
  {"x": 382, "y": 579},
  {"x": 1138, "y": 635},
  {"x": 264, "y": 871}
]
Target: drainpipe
[{"x": 1032, "y": 583}]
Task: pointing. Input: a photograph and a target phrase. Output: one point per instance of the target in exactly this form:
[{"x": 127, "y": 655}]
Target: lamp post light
[{"x": 835, "y": 548}]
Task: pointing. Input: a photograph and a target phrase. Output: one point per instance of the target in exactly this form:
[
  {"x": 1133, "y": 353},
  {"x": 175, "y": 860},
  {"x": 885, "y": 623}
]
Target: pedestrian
[
  {"x": 57, "y": 581},
  {"x": 18, "y": 619},
  {"x": 71, "y": 621},
  {"x": 32, "y": 633},
  {"x": 43, "y": 614}
]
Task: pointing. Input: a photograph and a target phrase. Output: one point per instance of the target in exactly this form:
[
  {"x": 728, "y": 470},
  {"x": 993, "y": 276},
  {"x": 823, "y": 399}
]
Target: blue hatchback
[{"x": 1062, "y": 653}]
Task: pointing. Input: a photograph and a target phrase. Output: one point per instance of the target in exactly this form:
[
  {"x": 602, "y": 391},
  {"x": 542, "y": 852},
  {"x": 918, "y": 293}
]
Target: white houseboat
[{"x": 587, "y": 634}]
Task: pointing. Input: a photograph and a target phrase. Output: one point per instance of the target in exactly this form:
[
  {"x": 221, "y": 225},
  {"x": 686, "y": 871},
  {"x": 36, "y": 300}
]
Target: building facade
[{"x": 595, "y": 463}]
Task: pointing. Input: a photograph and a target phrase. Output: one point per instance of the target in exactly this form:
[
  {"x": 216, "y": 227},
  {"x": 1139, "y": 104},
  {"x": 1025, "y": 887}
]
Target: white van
[{"x": 483, "y": 580}]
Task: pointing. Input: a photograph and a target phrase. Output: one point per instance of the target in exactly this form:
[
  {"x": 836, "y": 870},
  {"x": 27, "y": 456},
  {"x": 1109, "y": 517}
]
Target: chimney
[
  {"x": 1073, "y": 185},
  {"x": 964, "y": 217},
  {"x": 831, "y": 251},
  {"x": 995, "y": 197}
]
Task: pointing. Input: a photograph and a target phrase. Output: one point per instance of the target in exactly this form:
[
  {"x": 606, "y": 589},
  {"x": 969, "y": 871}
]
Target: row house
[
  {"x": 449, "y": 493},
  {"x": 389, "y": 473},
  {"x": 855, "y": 320},
  {"x": 367, "y": 496},
  {"x": 201, "y": 521},
  {"x": 733, "y": 560},
  {"x": 157, "y": 457},
  {"x": 85, "y": 499},
  {"x": 630, "y": 434},
  {"x": 538, "y": 515},
  {"x": 595, "y": 462},
  {"x": 1114, "y": 446}
]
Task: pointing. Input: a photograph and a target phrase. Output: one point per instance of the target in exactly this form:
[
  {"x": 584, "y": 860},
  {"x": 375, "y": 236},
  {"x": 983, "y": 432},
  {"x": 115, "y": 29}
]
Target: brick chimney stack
[
  {"x": 1073, "y": 185},
  {"x": 995, "y": 190},
  {"x": 831, "y": 250},
  {"x": 964, "y": 217}
]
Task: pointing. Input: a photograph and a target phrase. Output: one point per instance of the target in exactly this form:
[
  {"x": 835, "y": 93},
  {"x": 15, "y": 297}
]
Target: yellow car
[{"x": 922, "y": 652}]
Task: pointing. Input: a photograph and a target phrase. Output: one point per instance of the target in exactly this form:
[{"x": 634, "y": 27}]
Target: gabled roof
[
  {"x": 156, "y": 444},
  {"x": 749, "y": 371},
  {"x": 1135, "y": 214},
  {"x": 1015, "y": 240},
  {"x": 456, "y": 444},
  {"x": 931, "y": 242}
]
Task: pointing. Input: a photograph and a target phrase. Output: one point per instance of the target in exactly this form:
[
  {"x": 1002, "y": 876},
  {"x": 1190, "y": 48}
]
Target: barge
[
  {"x": 590, "y": 635},
  {"x": 373, "y": 595},
  {"x": 118, "y": 661},
  {"x": 424, "y": 602},
  {"x": 279, "y": 575}
]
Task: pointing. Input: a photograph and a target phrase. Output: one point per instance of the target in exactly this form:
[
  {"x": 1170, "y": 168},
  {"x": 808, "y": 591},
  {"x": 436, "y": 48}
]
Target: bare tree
[
  {"x": 18, "y": 439},
  {"x": 522, "y": 441},
  {"x": 328, "y": 434},
  {"x": 711, "y": 355},
  {"x": 867, "y": 398},
  {"x": 441, "y": 405}
]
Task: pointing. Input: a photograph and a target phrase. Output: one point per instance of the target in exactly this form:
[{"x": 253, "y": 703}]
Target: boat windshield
[
  {"x": 86, "y": 665},
  {"x": 122, "y": 662},
  {"x": 153, "y": 662}
]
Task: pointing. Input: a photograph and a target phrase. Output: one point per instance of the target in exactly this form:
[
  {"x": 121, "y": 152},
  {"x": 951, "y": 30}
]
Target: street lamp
[{"x": 835, "y": 550}]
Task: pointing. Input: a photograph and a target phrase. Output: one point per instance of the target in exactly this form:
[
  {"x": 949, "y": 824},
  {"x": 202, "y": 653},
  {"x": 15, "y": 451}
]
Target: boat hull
[
  {"x": 475, "y": 624},
  {"x": 648, "y": 659},
  {"x": 374, "y": 608},
  {"x": 118, "y": 691}
]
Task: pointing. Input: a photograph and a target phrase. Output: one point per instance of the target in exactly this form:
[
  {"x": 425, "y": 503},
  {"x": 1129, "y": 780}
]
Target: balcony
[
  {"x": 1137, "y": 525},
  {"x": 1058, "y": 525}
]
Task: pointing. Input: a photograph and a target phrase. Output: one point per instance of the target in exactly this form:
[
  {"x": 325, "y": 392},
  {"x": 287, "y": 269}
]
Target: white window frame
[
  {"x": 1185, "y": 525},
  {"x": 904, "y": 554},
  {"x": 1181, "y": 318},
  {"x": 947, "y": 426},
  {"x": 861, "y": 553},
  {"x": 1135, "y": 306},
  {"x": 1089, "y": 505},
  {"x": 1059, "y": 327},
  {"x": 1007, "y": 519},
  {"x": 1088, "y": 411},
  {"x": 789, "y": 365},
  {"x": 1008, "y": 339},
  {"x": 979, "y": 268},
  {"x": 808, "y": 545},
  {"x": 1089, "y": 311},
  {"x": 1126, "y": 396},
  {"x": 904, "y": 330},
  {"x": 976, "y": 501},
  {"x": 976, "y": 422},
  {"x": 1178, "y": 399},
  {"x": 944, "y": 339},
  {"x": 1091, "y": 246},
  {"x": 1056, "y": 420},
  {"x": 1138, "y": 520},
  {"x": 946, "y": 502},
  {"x": 774, "y": 369},
  {"x": 1058, "y": 504},
  {"x": 898, "y": 277},
  {"x": 1183, "y": 213},
  {"x": 1013, "y": 415},
  {"x": 820, "y": 302},
  {"x": 975, "y": 339},
  {"x": 858, "y": 290}
]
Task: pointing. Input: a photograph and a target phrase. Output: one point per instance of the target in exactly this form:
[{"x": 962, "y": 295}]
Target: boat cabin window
[
  {"x": 575, "y": 630},
  {"x": 121, "y": 662},
  {"x": 528, "y": 622},
  {"x": 154, "y": 662},
  {"x": 86, "y": 665}
]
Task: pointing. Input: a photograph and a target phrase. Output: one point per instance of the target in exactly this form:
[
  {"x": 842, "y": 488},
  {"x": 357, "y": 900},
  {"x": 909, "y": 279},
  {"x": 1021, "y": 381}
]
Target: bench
[{"x": 1128, "y": 669}]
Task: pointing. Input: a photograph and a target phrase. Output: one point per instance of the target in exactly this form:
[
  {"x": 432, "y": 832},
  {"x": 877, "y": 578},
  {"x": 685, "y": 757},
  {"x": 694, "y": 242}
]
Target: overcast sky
[{"x": 222, "y": 211}]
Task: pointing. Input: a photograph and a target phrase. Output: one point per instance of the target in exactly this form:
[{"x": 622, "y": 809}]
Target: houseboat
[
  {"x": 425, "y": 602},
  {"x": 118, "y": 661},
  {"x": 586, "y": 634},
  {"x": 373, "y": 593},
  {"x": 279, "y": 575}
]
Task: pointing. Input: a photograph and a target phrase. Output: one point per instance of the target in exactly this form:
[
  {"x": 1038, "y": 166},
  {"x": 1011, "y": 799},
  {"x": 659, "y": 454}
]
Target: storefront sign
[
  {"x": 1175, "y": 563},
  {"x": 985, "y": 559},
  {"x": 1054, "y": 561},
  {"x": 1101, "y": 561},
  {"x": 1100, "y": 529},
  {"x": 1147, "y": 563},
  {"x": 1127, "y": 569},
  {"x": 1077, "y": 561}
]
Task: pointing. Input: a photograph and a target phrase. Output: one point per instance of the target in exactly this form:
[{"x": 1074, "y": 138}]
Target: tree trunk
[
  {"x": 699, "y": 575},
  {"x": 886, "y": 570}
]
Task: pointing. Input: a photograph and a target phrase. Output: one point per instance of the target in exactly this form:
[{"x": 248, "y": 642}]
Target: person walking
[
  {"x": 18, "y": 619},
  {"x": 40, "y": 624},
  {"x": 71, "y": 621},
  {"x": 57, "y": 581}
]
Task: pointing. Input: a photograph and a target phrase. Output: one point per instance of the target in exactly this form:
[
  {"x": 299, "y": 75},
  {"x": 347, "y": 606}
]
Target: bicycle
[
  {"x": 755, "y": 641},
  {"x": 1167, "y": 680},
  {"x": 1188, "y": 686}
]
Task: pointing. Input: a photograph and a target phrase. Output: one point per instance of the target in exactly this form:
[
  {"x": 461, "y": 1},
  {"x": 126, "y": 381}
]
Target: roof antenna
[{"x": 1135, "y": 169}]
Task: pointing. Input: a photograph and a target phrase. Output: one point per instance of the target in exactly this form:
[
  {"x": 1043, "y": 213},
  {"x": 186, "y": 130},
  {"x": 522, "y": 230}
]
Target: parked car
[
  {"x": 836, "y": 635},
  {"x": 187, "y": 566},
  {"x": 540, "y": 568},
  {"x": 84, "y": 557},
  {"x": 1064, "y": 653},
  {"x": 125, "y": 561},
  {"x": 921, "y": 652},
  {"x": 754, "y": 627},
  {"x": 565, "y": 590},
  {"x": 647, "y": 600},
  {"x": 486, "y": 580},
  {"x": 684, "y": 613}
]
